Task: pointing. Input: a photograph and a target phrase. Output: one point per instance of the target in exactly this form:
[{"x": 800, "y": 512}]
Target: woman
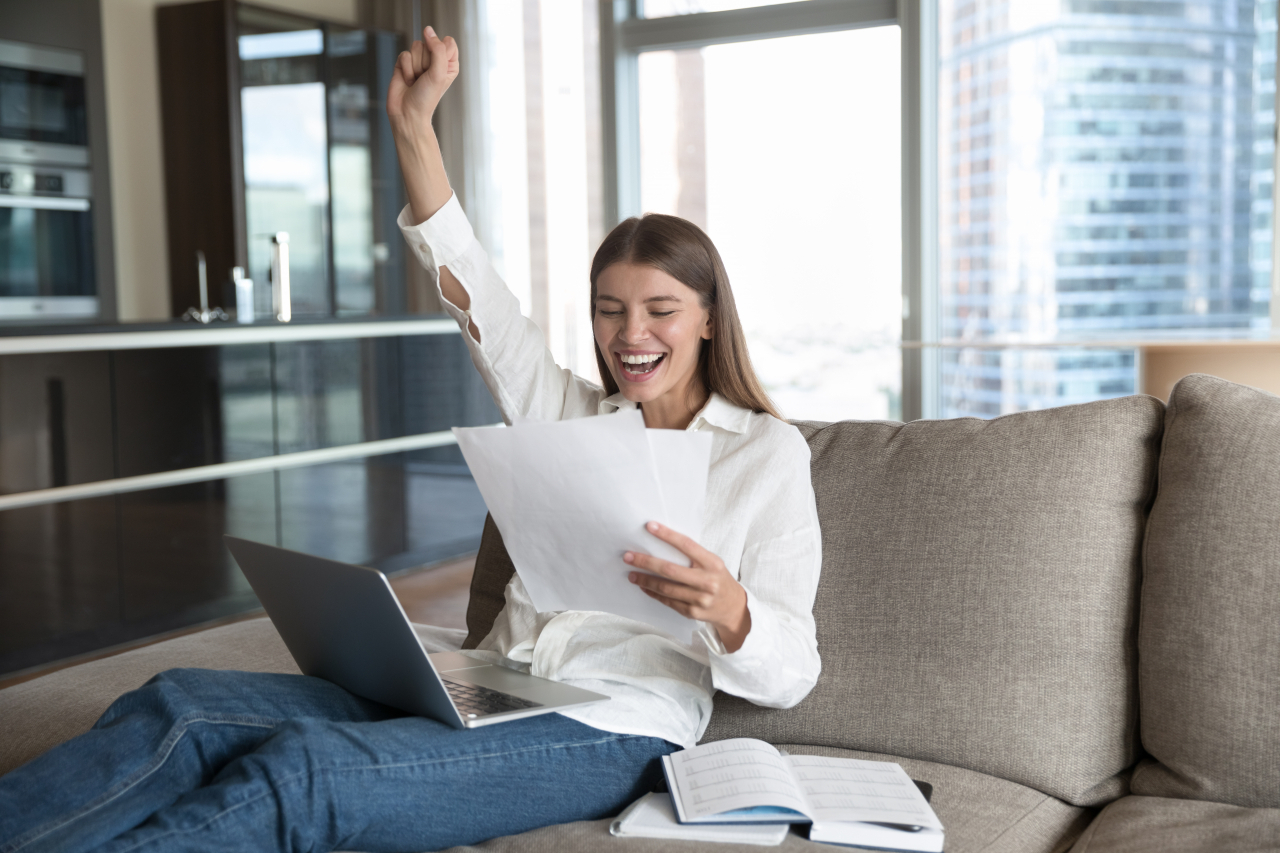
[{"x": 202, "y": 760}]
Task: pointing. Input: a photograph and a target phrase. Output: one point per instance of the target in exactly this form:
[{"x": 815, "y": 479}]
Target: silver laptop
[{"x": 344, "y": 624}]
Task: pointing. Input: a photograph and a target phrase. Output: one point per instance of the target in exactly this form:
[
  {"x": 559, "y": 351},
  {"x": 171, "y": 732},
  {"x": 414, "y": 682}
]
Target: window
[
  {"x": 528, "y": 119},
  {"x": 978, "y": 207},
  {"x": 1105, "y": 173},
  {"x": 797, "y": 184}
]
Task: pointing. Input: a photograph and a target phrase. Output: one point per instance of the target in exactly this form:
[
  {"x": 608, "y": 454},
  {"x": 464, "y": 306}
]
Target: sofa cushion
[
  {"x": 1160, "y": 825},
  {"x": 980, "y": 813},
  {"x": 1209, "y": 666},
  {"x": 40, "y": 714},
  {"x": 978, "y": 598}
]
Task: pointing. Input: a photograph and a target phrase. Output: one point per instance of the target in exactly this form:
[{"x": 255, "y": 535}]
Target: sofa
[{"x": 1067, "y": 621}]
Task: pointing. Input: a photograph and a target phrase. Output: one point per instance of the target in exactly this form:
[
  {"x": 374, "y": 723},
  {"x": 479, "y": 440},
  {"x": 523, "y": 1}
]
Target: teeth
[{"x": 640, "y": 359}]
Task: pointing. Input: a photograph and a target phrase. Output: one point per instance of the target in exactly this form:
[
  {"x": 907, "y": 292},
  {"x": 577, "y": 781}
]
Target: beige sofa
[{"x": 1067, "y": 621}]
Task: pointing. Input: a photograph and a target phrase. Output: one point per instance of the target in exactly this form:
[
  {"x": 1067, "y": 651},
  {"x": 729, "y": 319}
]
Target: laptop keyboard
[{"x": 473, "y": 701}]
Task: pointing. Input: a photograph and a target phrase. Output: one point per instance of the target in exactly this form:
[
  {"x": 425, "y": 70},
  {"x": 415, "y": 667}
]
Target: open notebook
[{"x": 846, "y": 800}]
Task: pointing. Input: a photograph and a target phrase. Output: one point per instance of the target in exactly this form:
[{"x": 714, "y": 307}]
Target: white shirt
[{"x": 761, "y": 519}]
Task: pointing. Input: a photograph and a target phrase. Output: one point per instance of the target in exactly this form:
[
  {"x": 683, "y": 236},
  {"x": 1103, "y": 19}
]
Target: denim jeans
[{"x": 207, "y": 760}]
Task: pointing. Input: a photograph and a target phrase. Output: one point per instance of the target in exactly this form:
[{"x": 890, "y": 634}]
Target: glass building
[{"x": 1105, "y": 172}]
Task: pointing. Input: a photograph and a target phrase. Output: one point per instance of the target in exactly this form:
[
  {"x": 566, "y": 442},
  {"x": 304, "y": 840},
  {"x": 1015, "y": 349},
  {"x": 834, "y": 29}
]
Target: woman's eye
[
  {"x": 608, "y": 313},
  {"x": 661, "y": 313}
]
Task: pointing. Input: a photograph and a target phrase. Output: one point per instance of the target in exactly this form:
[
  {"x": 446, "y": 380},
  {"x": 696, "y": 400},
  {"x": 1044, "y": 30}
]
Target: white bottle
[{"x": 244, "y": 295}]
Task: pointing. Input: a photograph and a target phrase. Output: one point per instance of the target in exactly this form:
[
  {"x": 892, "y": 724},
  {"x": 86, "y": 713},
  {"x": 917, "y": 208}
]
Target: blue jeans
[{"x": 210, "y": 761}]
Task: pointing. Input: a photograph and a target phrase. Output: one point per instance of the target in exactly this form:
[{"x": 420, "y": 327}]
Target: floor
[{"x": 436, "y": 595}]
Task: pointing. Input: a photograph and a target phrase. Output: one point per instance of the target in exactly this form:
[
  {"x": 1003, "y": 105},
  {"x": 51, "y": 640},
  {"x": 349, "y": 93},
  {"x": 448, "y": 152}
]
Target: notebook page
[
  {"x": 739, "y": 773},
  {"x": 849, "y": 789}
]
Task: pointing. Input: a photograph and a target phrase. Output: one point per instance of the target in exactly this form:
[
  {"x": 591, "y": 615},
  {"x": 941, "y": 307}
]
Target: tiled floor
[{"x": 432, "y": 596}]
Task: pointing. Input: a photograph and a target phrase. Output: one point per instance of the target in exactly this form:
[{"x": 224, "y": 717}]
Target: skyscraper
[{"x": 1105, "y": 171}]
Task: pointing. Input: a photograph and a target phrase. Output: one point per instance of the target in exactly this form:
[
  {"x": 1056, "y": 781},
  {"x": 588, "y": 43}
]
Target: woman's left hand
[{"x": 704, "y": 591}]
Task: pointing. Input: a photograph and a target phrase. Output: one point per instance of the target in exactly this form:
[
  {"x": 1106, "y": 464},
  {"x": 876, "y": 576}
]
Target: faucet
[{"x": 203, "y": 314}]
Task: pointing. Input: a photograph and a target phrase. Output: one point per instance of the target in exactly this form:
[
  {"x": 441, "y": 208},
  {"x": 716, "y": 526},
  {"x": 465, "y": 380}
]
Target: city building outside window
[{"x": 1105, "y": 171}]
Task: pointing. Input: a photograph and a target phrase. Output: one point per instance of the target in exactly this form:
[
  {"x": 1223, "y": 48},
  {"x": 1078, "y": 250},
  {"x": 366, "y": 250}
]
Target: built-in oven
[{"x": 46, "y": 200}]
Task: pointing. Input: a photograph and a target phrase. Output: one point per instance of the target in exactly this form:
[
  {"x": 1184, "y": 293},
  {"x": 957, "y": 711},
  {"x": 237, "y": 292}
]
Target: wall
[
  {"x": 137, "y": 158},
  {"x": 1253, "y": 363}
]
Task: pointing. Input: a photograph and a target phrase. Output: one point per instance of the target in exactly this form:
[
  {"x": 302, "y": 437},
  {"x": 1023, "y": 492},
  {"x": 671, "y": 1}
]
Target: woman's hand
[
  {"x": 704, "y": 591},
  {"x": 422, "y": 75}
]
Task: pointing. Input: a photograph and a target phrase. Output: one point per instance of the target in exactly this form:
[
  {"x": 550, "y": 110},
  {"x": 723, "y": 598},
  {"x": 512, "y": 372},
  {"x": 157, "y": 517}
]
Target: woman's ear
[{"x": 708, "y": 329}]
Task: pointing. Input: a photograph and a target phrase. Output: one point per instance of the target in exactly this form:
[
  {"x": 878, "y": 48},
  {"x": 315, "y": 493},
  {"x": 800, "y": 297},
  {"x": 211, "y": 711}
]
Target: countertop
[{"x": 69, "y": 337}]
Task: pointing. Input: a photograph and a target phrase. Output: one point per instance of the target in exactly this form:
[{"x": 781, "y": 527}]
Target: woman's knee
[{"x": 175, "y": 695}]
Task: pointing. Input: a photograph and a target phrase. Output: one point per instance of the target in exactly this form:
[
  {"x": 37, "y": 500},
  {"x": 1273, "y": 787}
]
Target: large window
[
  {"x": 799, "y": 188},
  {"x": 980, "y": 207},
  {"x": 777, "y": 130}
]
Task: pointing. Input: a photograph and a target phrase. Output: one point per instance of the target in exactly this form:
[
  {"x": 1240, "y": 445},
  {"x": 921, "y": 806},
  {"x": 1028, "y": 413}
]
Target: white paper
[
  {"x": 651, "y": 816},
  {"x": 571, "y": 496},
  {"x": 682, "y": 461}
]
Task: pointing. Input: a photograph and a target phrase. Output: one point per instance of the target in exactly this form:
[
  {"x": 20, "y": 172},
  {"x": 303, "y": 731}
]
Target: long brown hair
[{"x": 683, "y": 251}]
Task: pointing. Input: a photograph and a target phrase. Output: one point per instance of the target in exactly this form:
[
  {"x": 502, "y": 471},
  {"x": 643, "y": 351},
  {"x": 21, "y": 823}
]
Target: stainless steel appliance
[{"x": 46, "y": 217}]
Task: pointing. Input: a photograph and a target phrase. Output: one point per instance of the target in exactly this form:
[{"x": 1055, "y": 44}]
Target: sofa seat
[
  {"x": 1166, "y": 825},
  {"x": 980, "y": 813}
]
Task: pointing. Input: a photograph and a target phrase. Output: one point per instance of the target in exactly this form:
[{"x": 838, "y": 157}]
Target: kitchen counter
[{"x": 49, "y": 338}]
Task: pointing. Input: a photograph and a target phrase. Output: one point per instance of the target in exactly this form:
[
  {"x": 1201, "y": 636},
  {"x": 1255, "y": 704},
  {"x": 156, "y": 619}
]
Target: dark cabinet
[
  {"x": 59, "y": 581},
  {"x": 275, "y": 123},
  {"x": 55, "y": 420}
]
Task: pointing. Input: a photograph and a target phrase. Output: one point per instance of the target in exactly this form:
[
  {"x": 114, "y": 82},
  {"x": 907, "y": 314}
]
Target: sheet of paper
[
  {"x": 739, "y": 773},
  {"x": 682, "y": 461},
  {"x": 571, "y": 496},
  {"x": 849, "y": 789}
]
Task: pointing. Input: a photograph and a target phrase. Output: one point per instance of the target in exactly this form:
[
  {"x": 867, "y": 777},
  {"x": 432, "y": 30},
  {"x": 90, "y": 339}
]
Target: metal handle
[
  {"x": 280, "y": 299},
  {"x": 202, "y": 271}
]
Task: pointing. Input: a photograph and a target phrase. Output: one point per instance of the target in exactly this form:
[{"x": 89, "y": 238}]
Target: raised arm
[
  {"x": 422, "y": 75},
  {"x": 513, "y": 358}
]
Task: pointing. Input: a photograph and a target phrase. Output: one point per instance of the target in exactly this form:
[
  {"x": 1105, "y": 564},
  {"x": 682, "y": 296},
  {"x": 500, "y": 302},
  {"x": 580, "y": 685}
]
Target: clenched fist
[{"x": 422, "y": 75}]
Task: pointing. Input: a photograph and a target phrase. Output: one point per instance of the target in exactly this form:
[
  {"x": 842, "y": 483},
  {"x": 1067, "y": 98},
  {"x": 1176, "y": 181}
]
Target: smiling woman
[{"x": 667, "y": 270}]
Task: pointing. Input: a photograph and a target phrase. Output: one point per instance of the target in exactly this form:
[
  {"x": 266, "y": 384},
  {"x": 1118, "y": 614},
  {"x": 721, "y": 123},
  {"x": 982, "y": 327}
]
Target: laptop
[{"x": 343, "y": 623}]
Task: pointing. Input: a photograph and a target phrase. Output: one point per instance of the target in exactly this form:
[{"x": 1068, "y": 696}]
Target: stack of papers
[{"x": 570, "y": 497}]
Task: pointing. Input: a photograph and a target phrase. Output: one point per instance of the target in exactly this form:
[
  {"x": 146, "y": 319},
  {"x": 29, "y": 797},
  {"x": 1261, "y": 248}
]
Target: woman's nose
[{"x": 635, "y": 330}]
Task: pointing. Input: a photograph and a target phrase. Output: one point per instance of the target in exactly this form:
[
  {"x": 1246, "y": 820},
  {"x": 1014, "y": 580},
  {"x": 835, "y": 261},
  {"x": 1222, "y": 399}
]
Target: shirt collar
[{"x": 718, "y": 412}]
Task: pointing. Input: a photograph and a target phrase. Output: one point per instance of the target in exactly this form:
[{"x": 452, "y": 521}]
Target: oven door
[{"x": 46, "y": 250}]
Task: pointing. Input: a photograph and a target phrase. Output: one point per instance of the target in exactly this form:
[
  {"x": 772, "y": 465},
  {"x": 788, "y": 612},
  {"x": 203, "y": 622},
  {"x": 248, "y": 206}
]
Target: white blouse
[{"x": 761, "y": 519}]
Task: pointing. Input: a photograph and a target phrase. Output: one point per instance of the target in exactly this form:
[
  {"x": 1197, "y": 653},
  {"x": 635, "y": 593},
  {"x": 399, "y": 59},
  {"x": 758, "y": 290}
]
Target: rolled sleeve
[{"x": 440, "y": 240}]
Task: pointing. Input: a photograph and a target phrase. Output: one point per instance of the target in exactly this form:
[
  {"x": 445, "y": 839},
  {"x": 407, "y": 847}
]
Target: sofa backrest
[
  {"x": 1209, "y": 668},
  {"x": 978, "y": 598}
]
